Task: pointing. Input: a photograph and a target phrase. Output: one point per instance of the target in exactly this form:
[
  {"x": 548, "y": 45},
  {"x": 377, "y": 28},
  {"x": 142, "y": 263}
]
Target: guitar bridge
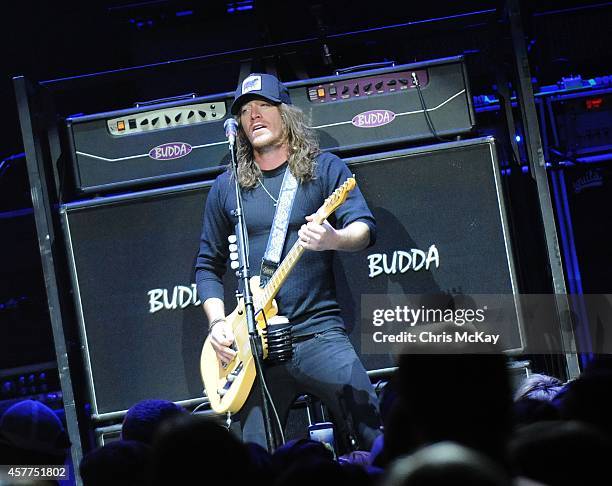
[{"x": 229, "y": 379}]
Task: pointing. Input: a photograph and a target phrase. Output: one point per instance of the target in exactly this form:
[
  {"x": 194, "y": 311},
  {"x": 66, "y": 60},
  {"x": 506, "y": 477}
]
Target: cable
[
  {"x": 198, "y": 407},
  {"x": 267, "y": 392},
  {"x": 276, "y": 417},
  {"x": 416, "y": 83}
]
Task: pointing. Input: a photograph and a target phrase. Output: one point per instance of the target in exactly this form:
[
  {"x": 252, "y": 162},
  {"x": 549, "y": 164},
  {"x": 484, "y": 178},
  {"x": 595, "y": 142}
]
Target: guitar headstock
[{"x": 336, "y": 198}]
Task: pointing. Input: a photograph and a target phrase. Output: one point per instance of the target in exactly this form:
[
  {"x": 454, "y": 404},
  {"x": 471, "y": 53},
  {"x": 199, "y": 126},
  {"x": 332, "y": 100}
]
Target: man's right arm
[
  {"x": 210, "y": 267},
  {"x": 220, "y": 331}
]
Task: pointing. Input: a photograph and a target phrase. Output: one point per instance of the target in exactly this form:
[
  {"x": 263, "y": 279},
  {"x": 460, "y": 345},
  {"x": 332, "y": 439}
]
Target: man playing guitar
[{"x": 272, "y": 139}]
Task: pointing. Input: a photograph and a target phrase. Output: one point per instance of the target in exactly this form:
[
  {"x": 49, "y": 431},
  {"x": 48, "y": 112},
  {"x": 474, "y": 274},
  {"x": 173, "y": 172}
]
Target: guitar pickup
[{"x": 232, "y": 376}]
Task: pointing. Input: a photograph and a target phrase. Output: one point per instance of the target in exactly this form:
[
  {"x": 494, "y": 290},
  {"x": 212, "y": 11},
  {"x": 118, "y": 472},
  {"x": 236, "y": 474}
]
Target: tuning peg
[{"x": 232, "y": 238}]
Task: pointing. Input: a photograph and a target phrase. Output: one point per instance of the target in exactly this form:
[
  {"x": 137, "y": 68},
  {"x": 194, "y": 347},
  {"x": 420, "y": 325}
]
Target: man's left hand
[{"x": 318, "y": 237}]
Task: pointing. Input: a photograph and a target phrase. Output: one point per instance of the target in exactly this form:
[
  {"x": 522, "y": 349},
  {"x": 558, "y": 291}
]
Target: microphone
[{"x": 231, "y": 128}]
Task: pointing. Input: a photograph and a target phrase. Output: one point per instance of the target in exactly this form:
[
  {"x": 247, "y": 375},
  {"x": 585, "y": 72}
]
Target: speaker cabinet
[
  {"x": 446, "y": 199},
  {"x": 141, "y": 324}
]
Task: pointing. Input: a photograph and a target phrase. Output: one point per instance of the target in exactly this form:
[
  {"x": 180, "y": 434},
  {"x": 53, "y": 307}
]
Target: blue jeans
[{"x": 326, "y": 366}]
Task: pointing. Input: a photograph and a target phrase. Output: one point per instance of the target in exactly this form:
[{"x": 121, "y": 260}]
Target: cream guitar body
[{"x": 230, "y": 386}]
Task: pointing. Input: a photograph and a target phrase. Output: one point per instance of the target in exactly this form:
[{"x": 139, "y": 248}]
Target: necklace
[{"x": 267, "y": 192}]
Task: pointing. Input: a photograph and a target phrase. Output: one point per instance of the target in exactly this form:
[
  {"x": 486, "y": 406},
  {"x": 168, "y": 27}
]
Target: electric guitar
[{"x": 228, "y": 387}]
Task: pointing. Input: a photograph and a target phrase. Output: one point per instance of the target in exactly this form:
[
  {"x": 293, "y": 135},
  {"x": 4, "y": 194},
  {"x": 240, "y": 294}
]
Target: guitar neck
[{"x": 281, "y": 274}]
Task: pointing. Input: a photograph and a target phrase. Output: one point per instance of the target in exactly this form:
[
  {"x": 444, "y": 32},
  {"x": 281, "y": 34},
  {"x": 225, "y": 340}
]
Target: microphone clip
[{"x": 231, "y": 129}]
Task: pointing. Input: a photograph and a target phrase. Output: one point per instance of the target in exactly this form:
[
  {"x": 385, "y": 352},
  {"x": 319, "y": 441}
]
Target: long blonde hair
[{"x": 300, "y": 139}]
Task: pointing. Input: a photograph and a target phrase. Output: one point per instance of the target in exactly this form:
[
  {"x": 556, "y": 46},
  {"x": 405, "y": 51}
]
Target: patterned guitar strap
[{"x": 278, "y": 231}]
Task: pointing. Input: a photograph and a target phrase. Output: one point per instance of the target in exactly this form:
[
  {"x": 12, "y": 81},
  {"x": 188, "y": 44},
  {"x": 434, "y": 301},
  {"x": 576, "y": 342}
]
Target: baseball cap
[{"x": 258, "y": 85}]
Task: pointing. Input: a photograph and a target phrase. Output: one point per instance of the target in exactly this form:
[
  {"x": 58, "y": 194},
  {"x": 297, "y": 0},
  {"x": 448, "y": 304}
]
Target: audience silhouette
[{"x": 448, "y": 418}]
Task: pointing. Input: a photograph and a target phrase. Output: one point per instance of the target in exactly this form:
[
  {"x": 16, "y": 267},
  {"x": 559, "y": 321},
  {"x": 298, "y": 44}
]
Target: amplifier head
[
  {"x": 382, "y": 107},
  {"x": 149, "y": 144}
]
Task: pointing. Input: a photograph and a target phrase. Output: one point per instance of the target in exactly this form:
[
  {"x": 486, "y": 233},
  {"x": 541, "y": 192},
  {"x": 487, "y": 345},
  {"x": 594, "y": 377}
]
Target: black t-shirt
[{"x": 308, "y": 296}]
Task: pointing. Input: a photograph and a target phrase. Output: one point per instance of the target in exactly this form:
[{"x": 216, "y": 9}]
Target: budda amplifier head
[
  {"x": 180, "y": 139},
  {"x": 379, "y": 107},
  {"x": 148, "y": 144}
]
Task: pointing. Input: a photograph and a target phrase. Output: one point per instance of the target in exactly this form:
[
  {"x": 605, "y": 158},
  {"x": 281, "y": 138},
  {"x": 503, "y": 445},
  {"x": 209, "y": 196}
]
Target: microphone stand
[{"x": 243, "y": 275}]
